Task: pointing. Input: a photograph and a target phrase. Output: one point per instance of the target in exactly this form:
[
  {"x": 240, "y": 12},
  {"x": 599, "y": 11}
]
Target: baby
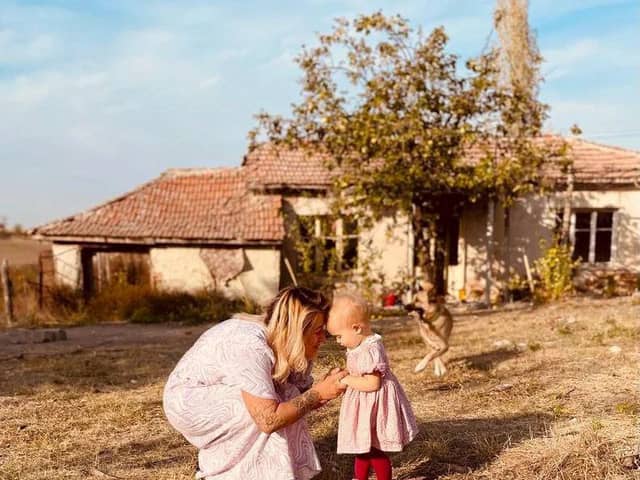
[{"x": 375, "y": 415}]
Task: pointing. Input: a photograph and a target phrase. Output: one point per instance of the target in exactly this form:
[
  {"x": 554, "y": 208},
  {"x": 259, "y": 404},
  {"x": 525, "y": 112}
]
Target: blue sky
[{"x": 98, "y": 96}]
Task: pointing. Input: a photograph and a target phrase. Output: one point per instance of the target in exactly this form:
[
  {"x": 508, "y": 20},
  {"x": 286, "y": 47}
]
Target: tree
[
  {"x": 517, "y": 60},
  {"x": 407, "y": 129}
]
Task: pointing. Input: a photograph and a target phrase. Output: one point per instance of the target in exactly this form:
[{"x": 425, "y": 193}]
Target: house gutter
[{"x": 153, "y": 241}]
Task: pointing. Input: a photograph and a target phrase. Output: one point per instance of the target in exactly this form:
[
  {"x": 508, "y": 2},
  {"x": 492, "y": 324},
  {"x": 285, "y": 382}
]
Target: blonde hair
[
  {"x": 356, "y": 305},
  {"x": 288, "y": 317}
]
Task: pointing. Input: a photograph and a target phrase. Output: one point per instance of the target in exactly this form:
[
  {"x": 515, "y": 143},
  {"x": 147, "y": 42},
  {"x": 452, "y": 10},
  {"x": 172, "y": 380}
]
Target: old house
[{"x": 230, "y": 229}]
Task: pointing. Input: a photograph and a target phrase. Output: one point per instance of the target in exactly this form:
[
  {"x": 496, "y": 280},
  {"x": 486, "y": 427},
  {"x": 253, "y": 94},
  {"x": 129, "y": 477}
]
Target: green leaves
[{"x": 406, "y": 123}]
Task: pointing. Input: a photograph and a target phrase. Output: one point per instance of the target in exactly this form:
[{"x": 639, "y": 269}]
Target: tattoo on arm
[
  {"x": 306, "y": 402},
  {"x": 267, "y": 420}
]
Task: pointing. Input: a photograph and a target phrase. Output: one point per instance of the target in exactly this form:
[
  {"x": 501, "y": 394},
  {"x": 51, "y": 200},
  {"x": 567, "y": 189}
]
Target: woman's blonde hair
[{"x": 288, "y": 317}]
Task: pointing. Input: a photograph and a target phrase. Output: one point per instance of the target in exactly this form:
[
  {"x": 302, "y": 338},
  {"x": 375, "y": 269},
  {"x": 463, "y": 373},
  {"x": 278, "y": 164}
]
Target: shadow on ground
[
  {"x": 88, "y": 371},
  {"x": 446, "y": 446},
  {"x": 485, "y": 361}
]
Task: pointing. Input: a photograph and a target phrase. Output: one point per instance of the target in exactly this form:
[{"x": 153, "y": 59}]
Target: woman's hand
[
  {"x": 330, "y": 387},
  {"x": 270, "y": 416}
]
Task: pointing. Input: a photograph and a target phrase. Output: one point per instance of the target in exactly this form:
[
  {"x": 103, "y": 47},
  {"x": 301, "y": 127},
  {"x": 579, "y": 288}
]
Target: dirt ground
[{"x": 544, "y": 393}]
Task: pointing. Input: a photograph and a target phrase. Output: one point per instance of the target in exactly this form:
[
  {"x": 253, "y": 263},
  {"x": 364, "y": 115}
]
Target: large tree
[{"x": 408, "y": 127}]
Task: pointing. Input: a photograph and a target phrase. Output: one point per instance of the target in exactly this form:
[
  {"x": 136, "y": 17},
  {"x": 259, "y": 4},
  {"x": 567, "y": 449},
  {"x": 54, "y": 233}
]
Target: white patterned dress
[{"x": 202, "y": 400}]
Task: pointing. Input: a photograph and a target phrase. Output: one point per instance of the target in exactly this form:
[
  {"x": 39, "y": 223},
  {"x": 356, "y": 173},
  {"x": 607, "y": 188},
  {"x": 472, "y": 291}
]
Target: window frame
[
  {"x": 593, "y": 230},
  {"x": 337, "y": 236}
]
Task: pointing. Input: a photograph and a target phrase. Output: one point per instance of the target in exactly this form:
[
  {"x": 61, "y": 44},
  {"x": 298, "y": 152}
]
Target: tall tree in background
[
  {"x": 517, "y": 61},
  {"x": 409, "y": 129}
]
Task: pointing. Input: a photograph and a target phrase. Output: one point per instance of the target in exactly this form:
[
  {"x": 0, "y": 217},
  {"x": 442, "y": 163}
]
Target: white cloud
[
  {"x": 210, "y": 82},
  {"x": 546, "y": 9},
  {"x": 560, "y": 61}
]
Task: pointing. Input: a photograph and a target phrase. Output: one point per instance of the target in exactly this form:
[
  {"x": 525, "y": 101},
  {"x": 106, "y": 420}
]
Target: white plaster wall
[
  {"x": 182, "y": 268},
  {"x": 261, "y": 281},
  {"x": 386, "y": 247},
  {"x": 533, "y": 220},
  {"x": 626, "y": 229},
  {"x": 179, "y": 268},
  {"x": 305, "y": 206},
  {"x": 67, "y": 264}
]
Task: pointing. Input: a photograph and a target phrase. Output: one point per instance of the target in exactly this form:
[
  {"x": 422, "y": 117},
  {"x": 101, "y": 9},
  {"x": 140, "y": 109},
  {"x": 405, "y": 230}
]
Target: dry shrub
[
  {"x": 24, "y": 281},
  {"x": 121, "y": 302},
  {"x": 142, "y": 304}
]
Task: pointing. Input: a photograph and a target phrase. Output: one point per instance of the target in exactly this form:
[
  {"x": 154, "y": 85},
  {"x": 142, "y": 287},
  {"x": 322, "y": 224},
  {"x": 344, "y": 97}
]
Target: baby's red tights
[{"x": 376, "y": 459}]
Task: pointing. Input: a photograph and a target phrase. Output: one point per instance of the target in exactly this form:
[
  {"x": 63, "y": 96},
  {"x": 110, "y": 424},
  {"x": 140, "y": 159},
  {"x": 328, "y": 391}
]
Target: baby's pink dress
[{"x": 382, "y": 419}]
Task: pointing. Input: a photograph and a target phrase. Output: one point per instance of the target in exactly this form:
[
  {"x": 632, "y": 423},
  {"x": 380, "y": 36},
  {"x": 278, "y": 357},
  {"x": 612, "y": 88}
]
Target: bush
[
  {"x": 142, "y": 304},
  {"x": 131, "y": 303},
  {"x": 555, "y": 272}
]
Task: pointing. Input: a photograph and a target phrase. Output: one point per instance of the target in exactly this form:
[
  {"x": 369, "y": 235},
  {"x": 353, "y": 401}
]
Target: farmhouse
[{"x": 231, "y": 229}]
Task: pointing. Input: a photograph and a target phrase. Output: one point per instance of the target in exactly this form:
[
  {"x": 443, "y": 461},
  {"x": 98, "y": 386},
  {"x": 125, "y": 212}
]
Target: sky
[{"x": 99, "y": 96}]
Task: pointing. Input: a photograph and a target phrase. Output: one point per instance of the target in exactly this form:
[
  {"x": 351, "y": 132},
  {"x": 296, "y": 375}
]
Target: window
[
  {"x": 591, "y": 234},
  {"x": 582, "y": 236},
  {"x": 349, "y": 247},
  {"x": 328, "y": 244},
  {"x": 604, "y": 236}
]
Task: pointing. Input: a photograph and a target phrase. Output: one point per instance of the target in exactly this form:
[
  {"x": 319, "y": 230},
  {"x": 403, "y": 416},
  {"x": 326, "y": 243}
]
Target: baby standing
[{"x": 375, "y": 415}]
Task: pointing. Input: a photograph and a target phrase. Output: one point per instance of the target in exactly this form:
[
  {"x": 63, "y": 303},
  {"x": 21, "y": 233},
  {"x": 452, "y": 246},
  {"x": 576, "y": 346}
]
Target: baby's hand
[{"x": 333, "y": 371}]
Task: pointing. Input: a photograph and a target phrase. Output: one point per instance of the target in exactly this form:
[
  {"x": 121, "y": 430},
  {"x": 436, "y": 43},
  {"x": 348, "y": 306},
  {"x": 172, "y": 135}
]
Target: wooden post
[
  {"x": 40, "y": 282},
  {"x": 528, "y": 270},
  {"x": 491, "y": 215},
  {"x": 290, "y": 269},
  {"x": 8, "y": 292}
]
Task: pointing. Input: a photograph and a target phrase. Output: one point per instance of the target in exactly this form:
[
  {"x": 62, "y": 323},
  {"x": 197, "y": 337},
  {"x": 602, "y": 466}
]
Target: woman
[{"x": 241, "y": 392}]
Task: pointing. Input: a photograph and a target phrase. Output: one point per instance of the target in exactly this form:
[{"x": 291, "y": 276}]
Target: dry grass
[{"x": 558, "y": 405}]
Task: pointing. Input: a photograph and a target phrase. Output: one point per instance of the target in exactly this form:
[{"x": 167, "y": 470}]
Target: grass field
[
  {"x": 21, "y": 251},
  {"x": 552, "y": 399}
]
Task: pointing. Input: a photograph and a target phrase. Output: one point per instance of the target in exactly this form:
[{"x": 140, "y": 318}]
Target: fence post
[
  {"x": 40, "y": 282},
  {"x": 8, "y": 293}
]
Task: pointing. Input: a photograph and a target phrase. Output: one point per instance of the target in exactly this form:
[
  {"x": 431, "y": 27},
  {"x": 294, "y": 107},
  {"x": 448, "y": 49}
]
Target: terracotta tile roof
[
  {"x": 598, "y": 164},
  {"x": 212, "y": 205},
  {"x": 232, "y": 205},
  {"x": 274, "y": 168},
  {"x": 594, "y": 164}
]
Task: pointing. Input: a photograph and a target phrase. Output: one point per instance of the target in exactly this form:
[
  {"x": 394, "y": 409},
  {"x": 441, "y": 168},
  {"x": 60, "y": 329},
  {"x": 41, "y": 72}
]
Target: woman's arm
[
  {"x": 271, "y": 415},
  {"x": 370, "y": 382}
]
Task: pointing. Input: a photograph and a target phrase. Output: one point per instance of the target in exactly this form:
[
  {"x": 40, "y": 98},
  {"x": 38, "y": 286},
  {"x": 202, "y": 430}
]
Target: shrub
[
  {"x": 142, "y": 304},
  {"x": 555, "y": 272}
]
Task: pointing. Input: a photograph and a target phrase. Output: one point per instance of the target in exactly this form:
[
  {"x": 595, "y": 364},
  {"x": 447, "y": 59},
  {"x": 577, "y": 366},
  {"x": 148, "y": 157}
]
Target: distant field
[{"x": 21, "y": 251}]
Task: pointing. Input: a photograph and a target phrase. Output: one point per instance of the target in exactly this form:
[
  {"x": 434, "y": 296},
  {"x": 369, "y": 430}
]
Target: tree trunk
[
  {"x": 422, "y": 239},
  {"x": 491, "y": 214},
  {"x": 507, "y": 252},
  {"x": 566, "y": 213},
  {"x": 440, "y": 259}
]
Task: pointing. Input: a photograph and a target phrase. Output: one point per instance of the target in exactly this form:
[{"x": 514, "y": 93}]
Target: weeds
[{"x": 628, "y": 408}]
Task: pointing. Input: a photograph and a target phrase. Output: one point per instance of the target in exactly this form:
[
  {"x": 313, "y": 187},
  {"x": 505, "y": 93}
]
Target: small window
[
  {"x": 331, "y": 244},
  {"x": 582, "y": 236},
  {"x": 604, "y": 234},
  {"x": 593, "y": 235}
]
